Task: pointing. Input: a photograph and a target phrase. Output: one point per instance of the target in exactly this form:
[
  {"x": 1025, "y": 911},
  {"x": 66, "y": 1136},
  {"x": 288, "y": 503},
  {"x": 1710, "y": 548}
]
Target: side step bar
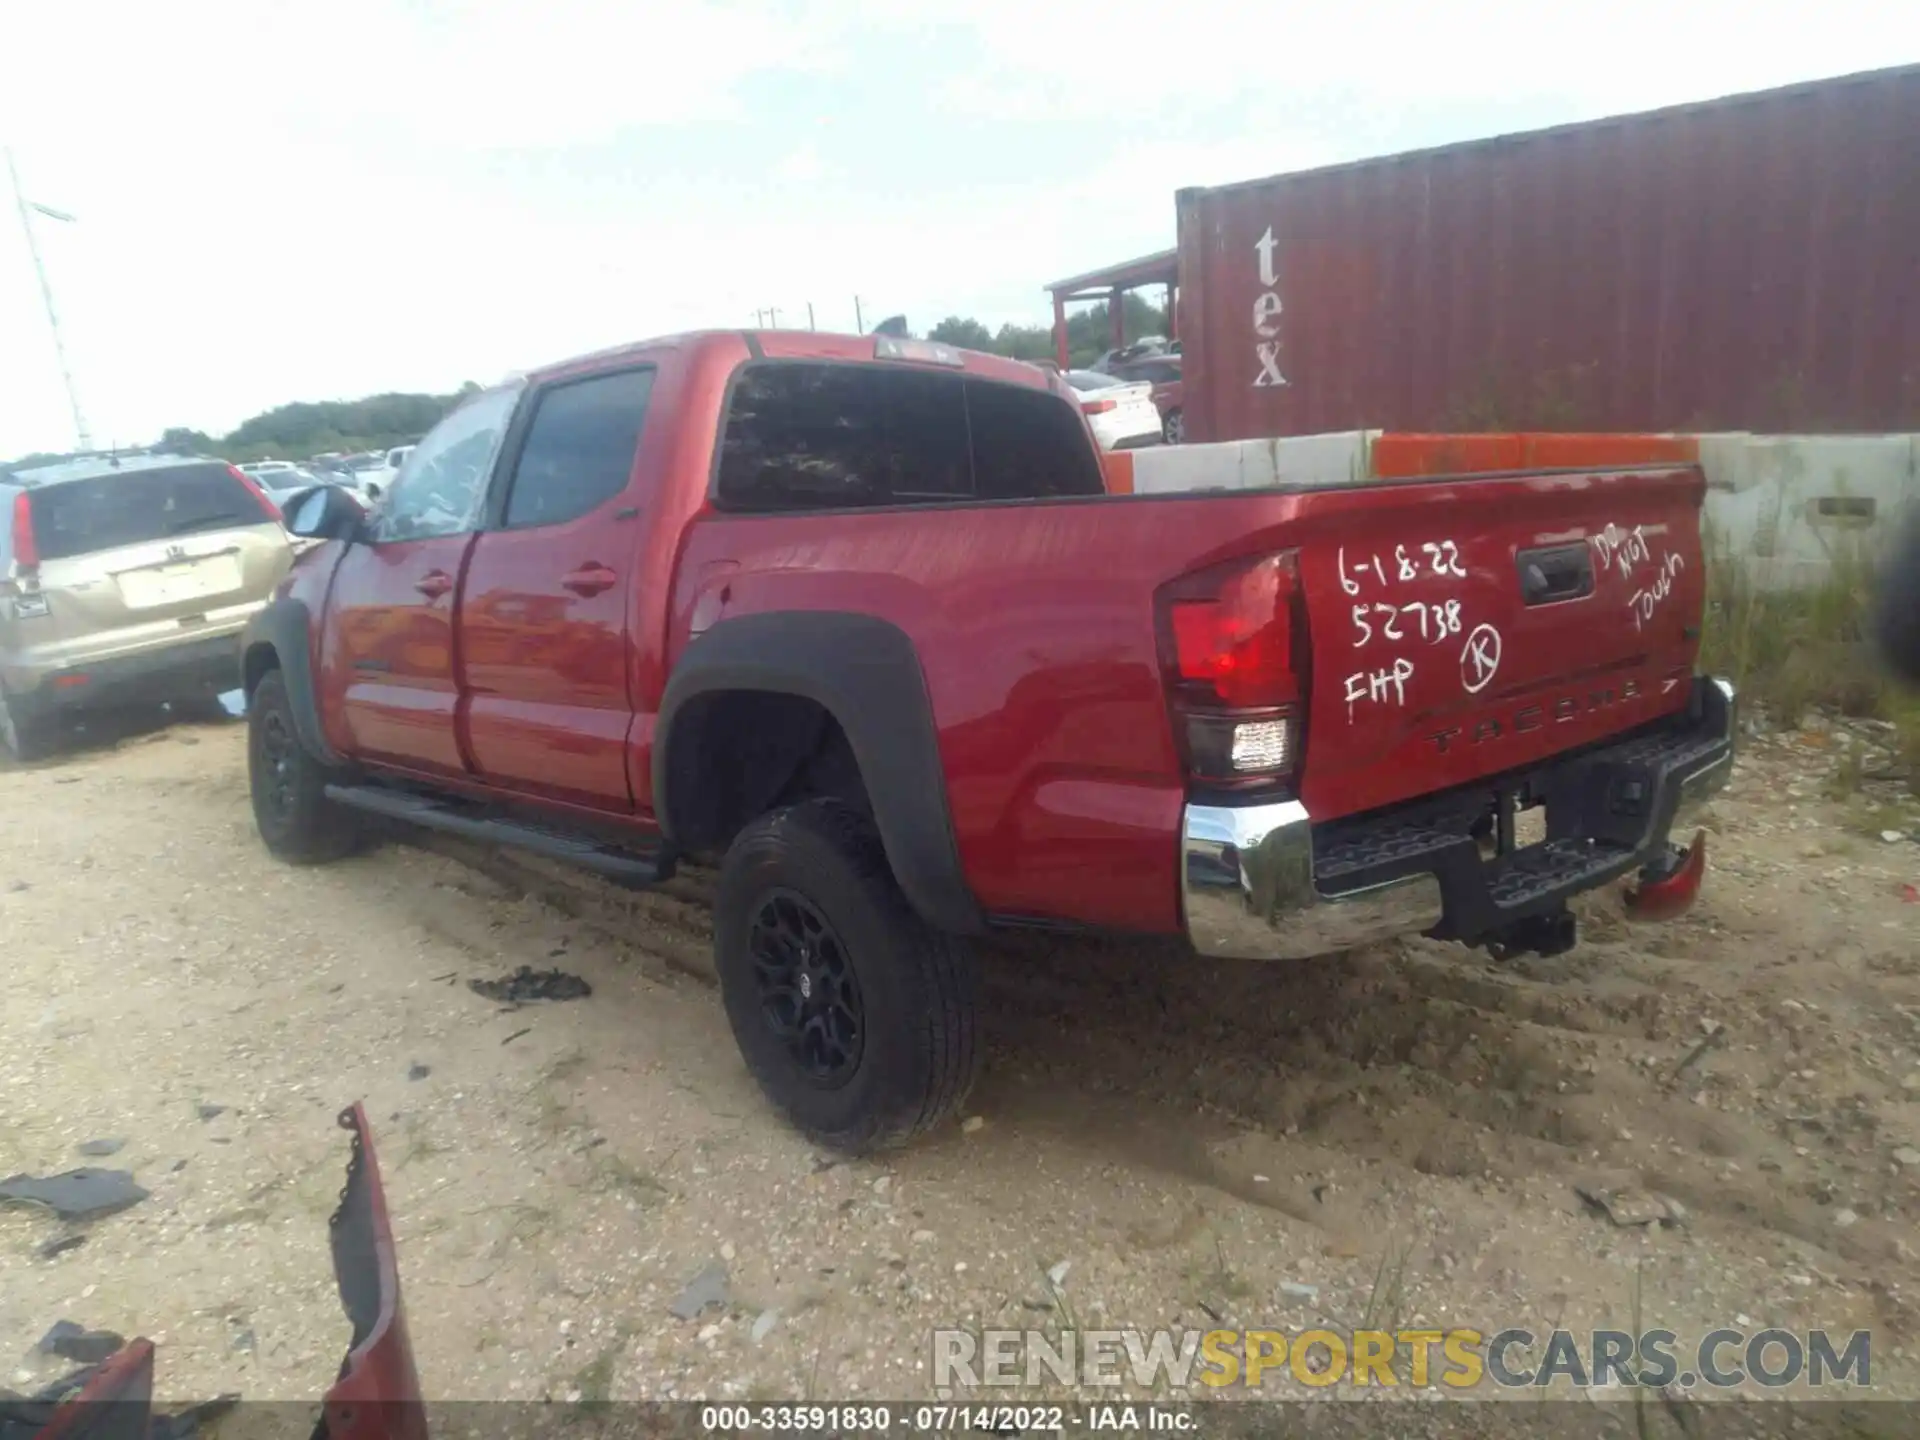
[{"x": 624, "y": 867}]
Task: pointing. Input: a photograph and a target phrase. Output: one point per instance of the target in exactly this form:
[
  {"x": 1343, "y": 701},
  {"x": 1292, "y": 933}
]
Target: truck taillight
[
  {"x": 26, "y": 550},
  {"x": 1233, "y": 643},
  {"x": 255, "y": 489}
]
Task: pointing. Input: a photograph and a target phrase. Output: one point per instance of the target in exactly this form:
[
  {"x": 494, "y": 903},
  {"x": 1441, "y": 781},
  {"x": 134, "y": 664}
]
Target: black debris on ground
[
  {"x": 526, "y": 984},
  {"x": 83, "y": 1194},
  {"x": 79, "y": 1344},
  {"x": 417, "y": 1071},
  {"x": 210, "y": 1112},
  {"x": 60, "y": 1244},
  {"x": 100, "y": 1149}
]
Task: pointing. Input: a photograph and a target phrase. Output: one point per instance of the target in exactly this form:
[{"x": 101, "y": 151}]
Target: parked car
[
  {"x": 126, "y": 579},
  {"x": 287, "y": 479},
  {"x": 1120, "y": 414},
  {"x": 375, "y": 479},
  {"x": 267, "y": 471},
  {"x": 1145, "y": 347},
  {"x": 855, "y": 618},
  {"x": 1162, "y": 371}
]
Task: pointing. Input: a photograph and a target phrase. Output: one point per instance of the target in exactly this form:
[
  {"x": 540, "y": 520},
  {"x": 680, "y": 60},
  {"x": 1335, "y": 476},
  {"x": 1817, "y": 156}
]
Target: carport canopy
[{"x": 1111, "y": 285}]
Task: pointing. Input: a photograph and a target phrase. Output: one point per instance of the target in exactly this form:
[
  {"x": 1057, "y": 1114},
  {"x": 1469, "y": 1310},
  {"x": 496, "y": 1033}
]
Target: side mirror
[{"x": 326, "y": 512}]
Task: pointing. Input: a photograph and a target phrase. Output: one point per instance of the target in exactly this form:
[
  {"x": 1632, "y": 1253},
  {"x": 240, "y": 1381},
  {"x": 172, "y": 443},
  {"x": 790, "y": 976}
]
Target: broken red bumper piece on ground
[
  {"x": 1665, "y": 895},
  {"x": 377, "y": 1396}
]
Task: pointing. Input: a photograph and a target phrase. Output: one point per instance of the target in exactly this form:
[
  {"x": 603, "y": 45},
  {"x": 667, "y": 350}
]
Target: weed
[
  {"x": 1387, "y": 1300},
  {"x": 624, "y": 1176},
  {"x": 1794, "y": 649},
  {"x": 1062, "y": 1306},
  {"x": 421, "y": 1145},
  {"x": 1218, "y": 1280},
  {"x": 1846, "y": 778},
  {"x": 594, "y": 1380}
]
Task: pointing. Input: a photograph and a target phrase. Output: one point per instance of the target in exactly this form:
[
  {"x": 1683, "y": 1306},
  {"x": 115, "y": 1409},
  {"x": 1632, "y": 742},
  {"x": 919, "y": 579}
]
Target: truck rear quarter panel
[{"x": 1035, "y": 632}]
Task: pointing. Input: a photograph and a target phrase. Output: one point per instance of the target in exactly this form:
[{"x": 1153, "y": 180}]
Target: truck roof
[{"x": 797, "y": 345}]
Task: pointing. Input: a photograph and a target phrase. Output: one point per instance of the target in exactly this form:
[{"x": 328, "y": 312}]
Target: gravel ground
[{"x": 1188, "y": 1138}]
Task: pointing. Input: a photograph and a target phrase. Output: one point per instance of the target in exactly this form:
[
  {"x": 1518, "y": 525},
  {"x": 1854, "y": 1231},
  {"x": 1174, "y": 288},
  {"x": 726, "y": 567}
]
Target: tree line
[
  {"x": 1088, "y": 335},
  {"x": 314, "y": 427},
  {"x": 378, "y": 422}
]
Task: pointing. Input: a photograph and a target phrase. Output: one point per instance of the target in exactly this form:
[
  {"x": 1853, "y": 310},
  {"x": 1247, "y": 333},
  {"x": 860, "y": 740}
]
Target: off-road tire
[
  {"x": 290, "y": 808},
  {"x": 918, "y": 988}
]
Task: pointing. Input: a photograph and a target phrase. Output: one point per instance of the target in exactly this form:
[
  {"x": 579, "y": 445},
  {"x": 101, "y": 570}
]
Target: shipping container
[{"x": 1751, "y": 263}]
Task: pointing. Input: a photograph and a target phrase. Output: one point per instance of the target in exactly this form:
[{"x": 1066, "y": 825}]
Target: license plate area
[
  {"x": 1515, "y": 821},
  {"x": 157, "y": 586}
]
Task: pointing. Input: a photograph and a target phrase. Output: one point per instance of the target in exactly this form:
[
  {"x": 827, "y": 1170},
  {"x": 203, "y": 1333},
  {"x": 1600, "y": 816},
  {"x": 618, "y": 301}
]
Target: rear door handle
[
  {"x": 590, "y": 579},
  {"x": 434, "y": 584}
]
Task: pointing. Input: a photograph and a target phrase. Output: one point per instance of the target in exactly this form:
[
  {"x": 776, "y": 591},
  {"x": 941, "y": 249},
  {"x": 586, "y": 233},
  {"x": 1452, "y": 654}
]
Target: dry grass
[{"x": 1796, "y": 651}]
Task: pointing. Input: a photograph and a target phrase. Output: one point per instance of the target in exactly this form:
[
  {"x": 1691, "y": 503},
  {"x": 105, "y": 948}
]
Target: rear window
[
  {"x": 825, "y": 437},
  {"x": 78, "y": 517}
]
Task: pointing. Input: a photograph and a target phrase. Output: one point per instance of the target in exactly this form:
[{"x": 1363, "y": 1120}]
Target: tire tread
[{"x": 942, "y": 973}]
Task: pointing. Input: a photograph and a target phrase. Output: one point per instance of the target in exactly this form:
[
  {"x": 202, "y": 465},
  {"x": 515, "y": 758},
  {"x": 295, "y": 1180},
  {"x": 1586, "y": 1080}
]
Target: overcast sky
[{"x": 323, "y": 200}]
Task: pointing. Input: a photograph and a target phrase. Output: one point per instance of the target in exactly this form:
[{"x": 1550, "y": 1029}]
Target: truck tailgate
[{"x": 1461, "y": 628}]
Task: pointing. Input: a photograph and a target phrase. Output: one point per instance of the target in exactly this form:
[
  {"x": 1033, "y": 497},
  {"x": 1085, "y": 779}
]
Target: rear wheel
[
  {"x": 1174, "y": 427},
  {"x": 23, "y": 736},
  {"x": 856, "y": 1017},
  {"x": 290, "y": 807}
]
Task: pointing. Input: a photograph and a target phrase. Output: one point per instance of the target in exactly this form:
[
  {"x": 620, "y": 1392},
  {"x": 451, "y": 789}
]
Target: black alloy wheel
[{"x": 808, "y": 992}]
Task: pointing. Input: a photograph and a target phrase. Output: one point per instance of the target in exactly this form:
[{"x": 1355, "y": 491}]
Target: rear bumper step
[
  {"x": 623, "y": 867},
  {"x": 1265, "y": 882}
]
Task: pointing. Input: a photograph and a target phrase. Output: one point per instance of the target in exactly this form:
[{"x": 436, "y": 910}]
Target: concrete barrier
[{"x": 1787, "y": 507}]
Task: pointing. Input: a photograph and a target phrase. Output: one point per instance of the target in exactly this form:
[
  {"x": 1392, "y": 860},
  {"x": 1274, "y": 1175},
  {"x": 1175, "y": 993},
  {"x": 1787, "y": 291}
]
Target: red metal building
[{"x": 1749, "y": 263}]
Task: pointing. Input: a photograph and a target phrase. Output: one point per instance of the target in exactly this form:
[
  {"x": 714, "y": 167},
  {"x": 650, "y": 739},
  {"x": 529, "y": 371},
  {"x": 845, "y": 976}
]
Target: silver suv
[{"x": 126, "y": 580}]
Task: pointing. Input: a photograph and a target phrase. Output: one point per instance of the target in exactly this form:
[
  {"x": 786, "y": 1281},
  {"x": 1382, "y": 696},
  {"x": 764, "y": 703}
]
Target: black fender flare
[
  {"x": 865, "y": 673},
  {"x": 282, "y": 627}
]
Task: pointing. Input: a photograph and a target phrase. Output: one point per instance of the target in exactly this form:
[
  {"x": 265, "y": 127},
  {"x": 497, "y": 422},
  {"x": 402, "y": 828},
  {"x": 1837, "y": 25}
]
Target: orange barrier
[
  {"x": 1406, "y": 456},
  {"x": 1118, "y": 465}
]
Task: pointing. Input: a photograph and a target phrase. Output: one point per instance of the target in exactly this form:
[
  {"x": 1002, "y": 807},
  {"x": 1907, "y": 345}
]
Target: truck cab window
[
  {"x": 1028, "y": 445},
  {"x": 820, "y": 436},
  {"x": 579, "y": 450},
  {"x": 831, "y": 437}
]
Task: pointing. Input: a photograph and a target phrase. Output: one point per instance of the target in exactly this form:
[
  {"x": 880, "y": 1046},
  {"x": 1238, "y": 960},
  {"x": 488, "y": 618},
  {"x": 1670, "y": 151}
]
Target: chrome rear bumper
[
  {"x": 1247, "y": 882},
  {"x": 1247, "y": 872}
]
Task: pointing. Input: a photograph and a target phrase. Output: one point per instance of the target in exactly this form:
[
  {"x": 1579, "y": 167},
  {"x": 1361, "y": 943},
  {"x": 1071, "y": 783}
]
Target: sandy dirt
[{"x": 1187, "y": 1136}]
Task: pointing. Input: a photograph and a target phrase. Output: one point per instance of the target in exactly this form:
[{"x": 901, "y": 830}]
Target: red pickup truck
[{"x": 855, "y": 617}]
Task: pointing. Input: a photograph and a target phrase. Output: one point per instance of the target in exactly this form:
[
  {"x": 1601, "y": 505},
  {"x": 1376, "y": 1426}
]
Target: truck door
[
  {"x": 544, "y": 618},
  {"x": 390, "y": 629}
]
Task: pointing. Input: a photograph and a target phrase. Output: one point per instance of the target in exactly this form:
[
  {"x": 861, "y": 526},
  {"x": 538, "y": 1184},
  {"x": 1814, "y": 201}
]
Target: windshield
[
  {"x": 1092, "y": 380},
  {"x": 82, "y": 516}
]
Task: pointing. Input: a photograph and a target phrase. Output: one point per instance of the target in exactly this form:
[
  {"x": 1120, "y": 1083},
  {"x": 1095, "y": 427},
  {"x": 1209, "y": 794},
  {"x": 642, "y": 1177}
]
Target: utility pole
[
  {"x": 773, "y": 317},
  {"x": 46, "y": 295},
  {"x": 859, "y": 325},
  {"x": 810, "y": 324}
]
